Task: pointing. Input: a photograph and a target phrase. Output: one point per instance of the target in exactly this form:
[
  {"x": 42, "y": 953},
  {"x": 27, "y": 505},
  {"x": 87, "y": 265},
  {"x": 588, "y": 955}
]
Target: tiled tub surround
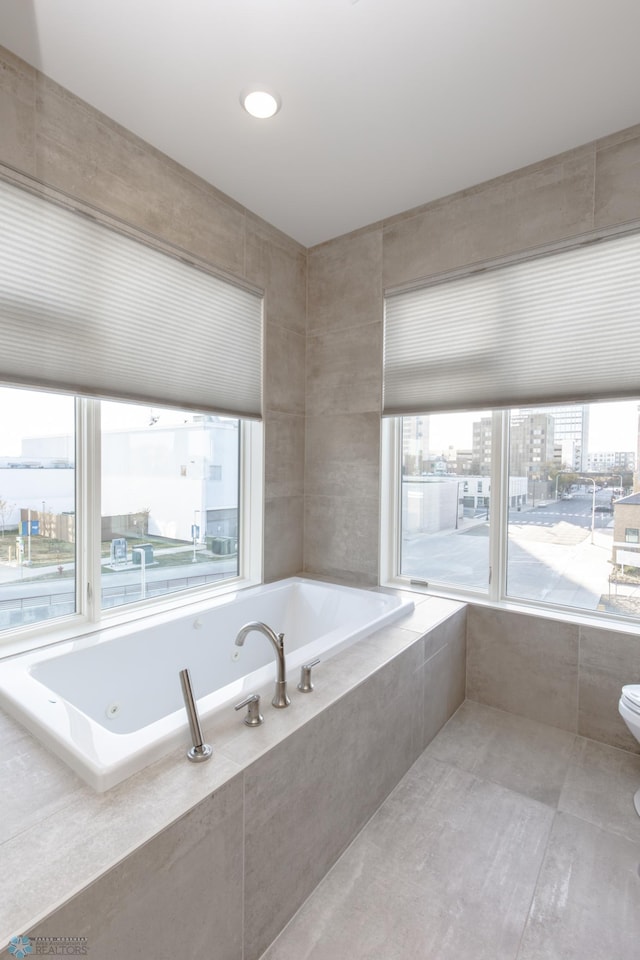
[
  {"x": 110, "y": 703},
  {"x": 565, "y": 674},
  {"x": 213, "y": 859}
]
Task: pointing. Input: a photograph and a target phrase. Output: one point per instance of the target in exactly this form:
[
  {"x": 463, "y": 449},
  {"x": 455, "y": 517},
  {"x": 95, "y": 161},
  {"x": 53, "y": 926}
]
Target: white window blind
[
  {"x": 562, "y": 327},
  {"x": 87, "y": 309}
]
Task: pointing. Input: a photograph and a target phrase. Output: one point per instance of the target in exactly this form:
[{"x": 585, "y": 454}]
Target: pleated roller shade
[
  {"x": 87, "y": 309},
  {"x": 558, "y": 328}
]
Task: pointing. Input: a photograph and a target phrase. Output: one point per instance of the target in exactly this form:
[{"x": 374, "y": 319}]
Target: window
[
  {"x": 37, "y": 507},
  {"x": 157, "y": 530},
  {"x": 137, "y": 475},
  {"x": 437, "y": 509},
  {"x": 536, "y": 529},
  {"x": 525, "y": 339}
]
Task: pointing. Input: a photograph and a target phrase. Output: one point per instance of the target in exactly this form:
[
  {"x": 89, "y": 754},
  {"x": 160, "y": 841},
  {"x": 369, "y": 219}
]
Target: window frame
[
  {"x": 408, "y": 367},
  {"x": 496, "y": 593},
  {"x": 90, "y": 616}
]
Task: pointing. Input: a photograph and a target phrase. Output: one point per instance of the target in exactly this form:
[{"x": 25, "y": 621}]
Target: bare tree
[{"x": 5, "y": 507}]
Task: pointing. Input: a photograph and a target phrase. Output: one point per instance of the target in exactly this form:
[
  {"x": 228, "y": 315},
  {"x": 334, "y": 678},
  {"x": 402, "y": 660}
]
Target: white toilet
[{"x": 629, "y": 707}]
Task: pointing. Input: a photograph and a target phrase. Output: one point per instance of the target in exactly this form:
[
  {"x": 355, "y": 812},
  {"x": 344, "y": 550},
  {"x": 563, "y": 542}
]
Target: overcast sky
[
  {"x": 26, "y": 413},
  {"x": 612, "y": 427}
]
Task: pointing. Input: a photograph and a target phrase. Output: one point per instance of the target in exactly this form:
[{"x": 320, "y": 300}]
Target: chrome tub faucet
[{"x": 280, "y": 698}]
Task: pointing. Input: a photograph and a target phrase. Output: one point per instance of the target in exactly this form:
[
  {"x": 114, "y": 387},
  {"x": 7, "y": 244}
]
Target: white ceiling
[{"x": 386, "y": 104}]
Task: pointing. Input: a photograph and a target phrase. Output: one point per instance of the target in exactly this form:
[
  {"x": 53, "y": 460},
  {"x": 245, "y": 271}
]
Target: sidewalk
[{"x": 10, "y": 572}]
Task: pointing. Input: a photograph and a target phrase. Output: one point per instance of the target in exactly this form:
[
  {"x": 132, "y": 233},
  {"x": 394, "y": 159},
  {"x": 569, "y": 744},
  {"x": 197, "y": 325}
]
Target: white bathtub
[{"x": 111, "y": 703}]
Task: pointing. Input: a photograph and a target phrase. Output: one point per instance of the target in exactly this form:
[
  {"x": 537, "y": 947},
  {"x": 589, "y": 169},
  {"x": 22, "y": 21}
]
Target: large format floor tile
[
  {"x": 507, "y": 840},
  {"x": 445, "y": 869},
  {"x": 600, "y": 786},
  {"x": 587, "y": 902},
  {"x": 515, "y": 752}
]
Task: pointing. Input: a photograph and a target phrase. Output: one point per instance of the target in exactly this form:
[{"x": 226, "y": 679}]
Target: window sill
[{"x": 532, "y": 609}]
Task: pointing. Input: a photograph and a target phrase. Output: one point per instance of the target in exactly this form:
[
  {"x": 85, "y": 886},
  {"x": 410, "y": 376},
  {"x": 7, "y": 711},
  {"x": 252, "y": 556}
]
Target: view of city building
[
  {"x": 573, "y": 506},
  {"x": 169, "y": 504}
]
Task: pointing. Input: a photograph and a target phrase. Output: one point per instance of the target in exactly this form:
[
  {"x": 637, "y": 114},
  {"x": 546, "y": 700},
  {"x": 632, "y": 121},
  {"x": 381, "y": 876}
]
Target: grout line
[
  {"x": 578, "y": 679},
  {"x": 536, "y": 884},
  {"x": 244, "y": 862}
]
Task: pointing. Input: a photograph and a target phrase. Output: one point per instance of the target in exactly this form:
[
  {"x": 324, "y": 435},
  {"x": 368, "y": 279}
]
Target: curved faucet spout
[{"x": 280, "y": 698}]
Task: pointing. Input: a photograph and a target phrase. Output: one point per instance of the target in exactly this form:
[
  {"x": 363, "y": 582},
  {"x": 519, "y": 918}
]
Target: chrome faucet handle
[
  {"x": 305, "y": 685},
  {"x": 253, "y": 718}
]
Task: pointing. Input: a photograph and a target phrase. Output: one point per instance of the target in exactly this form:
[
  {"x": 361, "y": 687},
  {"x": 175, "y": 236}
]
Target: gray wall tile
[
  {"x": 87, "y": 155},
  {"x": 344, "y": 370},
  {"x": 283, "y": 524},
  {"x": 341, "y": 538},
  {"x": 608, "y": 660},
  {"x": 345, "y": 282},
  {"x": 284, "y": 455},
  {"x": 284, "y": 370},
  {"x": 523, "y": 664},
  {"x": 617, "y": 196},
  {"x": 444, "y": 675},
  {"x": 619, "y": 136},
  {"x": 306, "y": 799},
  {"x": 342, "y": 455},
  {"x": 279, "y": 265},
  {"x": 17, "y": 112},
  {"x": 533, "y": 206},
  {"x": 184, "y": 886},
  {"x": 452, "y": 629}
]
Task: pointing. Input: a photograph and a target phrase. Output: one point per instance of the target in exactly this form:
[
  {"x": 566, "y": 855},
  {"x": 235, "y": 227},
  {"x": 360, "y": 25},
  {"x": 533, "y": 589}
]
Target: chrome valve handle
[
  {"x": 305, "y": 685},
  {"x": 253, "y": 718}
]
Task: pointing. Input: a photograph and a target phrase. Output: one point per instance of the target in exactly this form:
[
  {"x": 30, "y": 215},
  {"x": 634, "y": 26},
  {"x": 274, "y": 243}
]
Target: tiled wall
[
  {"x": 49, "y": 134},
  {"x": 322, "y": 429},
  {"x": 594, "y": 186},
  {"x": 225, "y": 879},
  {"x": 563, "y": 674},
  {"x": 324, "y": 329},
  {"x": 558, "y": 673}
]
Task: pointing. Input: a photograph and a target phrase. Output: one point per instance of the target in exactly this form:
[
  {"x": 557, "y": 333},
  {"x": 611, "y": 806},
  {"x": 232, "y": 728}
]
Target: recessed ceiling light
[{"x": 260, "y": 103}]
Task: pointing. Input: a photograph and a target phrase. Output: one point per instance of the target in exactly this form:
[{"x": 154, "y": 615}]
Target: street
[
  {"x": 550, "y": 556},
  {"x": 577, "y": 511},
  {"x": 39, "y": 599}
]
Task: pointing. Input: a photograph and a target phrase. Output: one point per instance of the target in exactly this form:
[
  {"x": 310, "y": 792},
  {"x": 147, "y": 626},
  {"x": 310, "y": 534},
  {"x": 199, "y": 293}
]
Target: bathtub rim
[{"x": 50, "y": 716}]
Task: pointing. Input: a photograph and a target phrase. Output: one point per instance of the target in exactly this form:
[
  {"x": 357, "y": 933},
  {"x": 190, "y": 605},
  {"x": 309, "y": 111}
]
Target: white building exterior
[
  {"x": 434, "y": 503},
  {"x": 611, "y": 460},
  {"x": 183, "y": 474}
]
